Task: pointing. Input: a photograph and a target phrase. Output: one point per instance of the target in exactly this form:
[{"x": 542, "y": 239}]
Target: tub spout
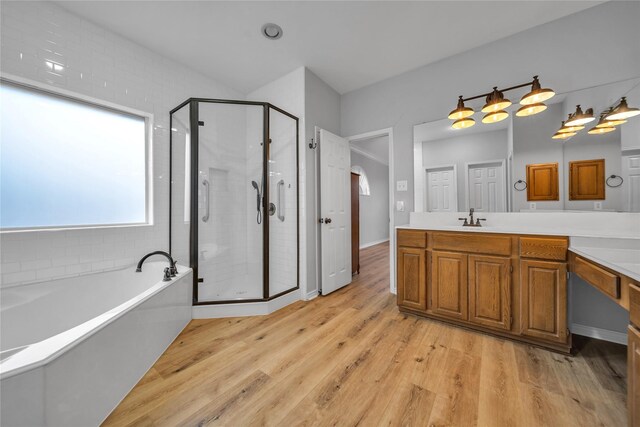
[{"x": 172, "y": 269}]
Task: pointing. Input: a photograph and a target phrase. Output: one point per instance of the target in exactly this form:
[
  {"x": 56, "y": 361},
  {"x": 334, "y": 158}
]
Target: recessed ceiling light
[{"x": 272, "y": 31}]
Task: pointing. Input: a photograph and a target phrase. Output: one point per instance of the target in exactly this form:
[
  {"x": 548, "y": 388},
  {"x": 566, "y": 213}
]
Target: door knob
[{"x": 327, "y": 220}]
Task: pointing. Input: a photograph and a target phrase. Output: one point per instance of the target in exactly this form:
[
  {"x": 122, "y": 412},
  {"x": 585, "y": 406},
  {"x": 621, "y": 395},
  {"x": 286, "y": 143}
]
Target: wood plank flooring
[{"x": 351, "y": 358}]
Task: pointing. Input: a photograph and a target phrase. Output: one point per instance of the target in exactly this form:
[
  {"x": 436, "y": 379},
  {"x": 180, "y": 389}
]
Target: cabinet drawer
[
  {"x": 605, "y": 281},
  {"x": 412, "y": 238},
  {"x": 634, "y": 304},
  {"x": 474, "y": 243},
  {"x": 543, "y": 248}
]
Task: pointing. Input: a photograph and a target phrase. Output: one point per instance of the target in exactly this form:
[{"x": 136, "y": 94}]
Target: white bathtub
[{"x": 71, "y": 349}]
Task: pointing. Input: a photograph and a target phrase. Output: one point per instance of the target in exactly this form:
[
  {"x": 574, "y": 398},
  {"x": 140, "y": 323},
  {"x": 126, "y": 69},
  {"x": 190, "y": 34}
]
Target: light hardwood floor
[{"x": 351, "y": 358}]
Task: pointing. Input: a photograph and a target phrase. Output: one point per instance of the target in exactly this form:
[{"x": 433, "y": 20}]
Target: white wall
[
  {"x": 322, "y": 109},
  {"x": 461, "y": 149},
  {"x": 100, "y": 64},
  {"x": 430, "y": 92},
  {"x": 374, "y": 208}
]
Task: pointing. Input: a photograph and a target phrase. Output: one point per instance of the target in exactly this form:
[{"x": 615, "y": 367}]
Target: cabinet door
[
  {"x": 544, "y": 300},
  {"x": 633, "y": 376},
  {"x": 490, "y": 291},
  {"x": 586, "y": 180},
  {"x": 412, "y": 283},
  {"x": 449, "y": 284},
  {"x": 542, "y": 182}
]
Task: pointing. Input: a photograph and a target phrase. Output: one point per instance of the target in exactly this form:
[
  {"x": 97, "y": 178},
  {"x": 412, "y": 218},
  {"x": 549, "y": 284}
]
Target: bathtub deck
[{"x": 352, "y": 358}]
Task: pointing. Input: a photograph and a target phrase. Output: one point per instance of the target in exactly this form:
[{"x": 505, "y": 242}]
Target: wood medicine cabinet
[
  {"x": 542, "y": 182},
  {"x": 586, "y": 180}
]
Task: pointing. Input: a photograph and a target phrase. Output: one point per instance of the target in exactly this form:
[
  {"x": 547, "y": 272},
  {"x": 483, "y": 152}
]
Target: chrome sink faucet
[{"x": 469, "y": 222}]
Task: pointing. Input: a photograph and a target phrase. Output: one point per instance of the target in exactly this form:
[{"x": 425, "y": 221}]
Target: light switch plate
[
  {"x": 400, "y": 205},
  {"x": 401, "y": 185}
]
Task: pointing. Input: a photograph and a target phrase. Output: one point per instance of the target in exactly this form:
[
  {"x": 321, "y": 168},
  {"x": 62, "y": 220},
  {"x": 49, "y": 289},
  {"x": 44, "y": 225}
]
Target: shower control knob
[{"x": 327, "y": 220}]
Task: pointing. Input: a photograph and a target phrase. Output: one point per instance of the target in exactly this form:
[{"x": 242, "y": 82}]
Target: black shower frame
[{"x": 193, "y": 213}]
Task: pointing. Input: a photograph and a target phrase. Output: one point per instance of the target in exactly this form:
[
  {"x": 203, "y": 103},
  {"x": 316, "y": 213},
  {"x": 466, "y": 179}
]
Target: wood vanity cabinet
[
  {"x": 543, "y": 286},
  {"x": 508, "y": 285},
  {"x": 633, "y": 356},
  {"x": 449, "y": 284},
  {"x": 412, "y": 290},
  {"x": 490, "y": 291}
]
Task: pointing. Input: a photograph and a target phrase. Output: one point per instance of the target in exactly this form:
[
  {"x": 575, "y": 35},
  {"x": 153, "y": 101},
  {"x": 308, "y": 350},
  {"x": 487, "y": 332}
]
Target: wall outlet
[
  {"x": 400, "y": 205},
  {"x": 401, "y": 185},
  {"x": 597, "y": 206},
  {"x": 532, "y": 206}
]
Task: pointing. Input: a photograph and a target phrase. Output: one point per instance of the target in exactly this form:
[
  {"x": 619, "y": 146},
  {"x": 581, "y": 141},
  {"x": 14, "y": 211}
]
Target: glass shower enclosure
[{"x": 233, "y": 213}]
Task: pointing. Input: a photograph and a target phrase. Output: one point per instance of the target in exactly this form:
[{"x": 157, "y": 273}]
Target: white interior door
[
  {"x": 631, "y": 174},
  {"x": 335, "y": 212},
  {"x": 485, "y": 190},
  {"x": 442, "y": 191}
]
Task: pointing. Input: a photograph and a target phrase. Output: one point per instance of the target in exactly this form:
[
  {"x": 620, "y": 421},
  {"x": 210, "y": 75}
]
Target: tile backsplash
[{"x": 92, "y": 61}]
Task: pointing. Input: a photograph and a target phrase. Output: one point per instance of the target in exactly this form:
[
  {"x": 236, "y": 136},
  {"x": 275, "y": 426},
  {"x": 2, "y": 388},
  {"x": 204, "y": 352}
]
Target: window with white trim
[{"x": 69, "y": 163}]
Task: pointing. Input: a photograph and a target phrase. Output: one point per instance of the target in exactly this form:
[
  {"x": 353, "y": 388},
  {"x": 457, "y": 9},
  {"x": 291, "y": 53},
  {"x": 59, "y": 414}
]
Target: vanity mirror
[{"x": 520, "y": 164}]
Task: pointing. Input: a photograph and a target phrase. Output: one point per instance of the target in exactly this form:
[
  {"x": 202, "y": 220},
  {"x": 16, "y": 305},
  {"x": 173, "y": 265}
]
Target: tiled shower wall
[{"x": 100, "y": 64}]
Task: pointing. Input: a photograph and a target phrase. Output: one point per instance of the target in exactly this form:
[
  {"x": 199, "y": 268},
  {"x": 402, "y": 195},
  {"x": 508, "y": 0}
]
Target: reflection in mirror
[{"x": 488, "y": 167}]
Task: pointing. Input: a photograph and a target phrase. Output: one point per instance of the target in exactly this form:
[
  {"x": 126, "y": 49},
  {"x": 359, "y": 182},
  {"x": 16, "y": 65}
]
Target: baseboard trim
[
  {"x": 311, "y": 295},
  {"x": 215, "y": 311},
  {"x": 377, "y": 242},
  {"x": 598, "y": 333}
]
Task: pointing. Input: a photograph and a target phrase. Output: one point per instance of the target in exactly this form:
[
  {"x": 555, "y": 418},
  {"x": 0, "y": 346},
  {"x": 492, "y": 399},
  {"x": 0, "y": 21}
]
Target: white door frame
[
  {"x": 485, "y": 162},
  {"x": 426, "y": 188},
  {"x": 392, "y": 235}
]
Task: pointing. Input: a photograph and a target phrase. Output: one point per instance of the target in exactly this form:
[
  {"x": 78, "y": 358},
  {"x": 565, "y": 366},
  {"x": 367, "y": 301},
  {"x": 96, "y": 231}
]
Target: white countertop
[
  {"x": 550, "y": 230},
  {"x": 609, "y": 239}
]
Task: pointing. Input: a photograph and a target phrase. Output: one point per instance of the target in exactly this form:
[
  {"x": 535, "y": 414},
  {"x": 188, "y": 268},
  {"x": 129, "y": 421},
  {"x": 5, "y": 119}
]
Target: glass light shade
[
  {"x": 496, "y": 106},
  {"x": 600, "y": 130},
  {"x": 579, "y": 118},
  {"x": 565, "y": 135},
  {"x": 537, "y": 94},
  {"x": 609, "y": 123},
  {"x": 461, "y": 111},
  {"x": 622, "y": 111},
  {"x": 495, "y": 117},
  {"x": 569, "y": 129},
  {"x": 463, "y": 123},
  {"x": 530, "y": 110}
]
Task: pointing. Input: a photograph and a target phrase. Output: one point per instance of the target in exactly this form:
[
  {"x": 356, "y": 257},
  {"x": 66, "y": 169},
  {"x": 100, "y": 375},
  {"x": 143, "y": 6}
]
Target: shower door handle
[
  {"x": 205, "y": 218},
  {"x": 280, "y": 198}
]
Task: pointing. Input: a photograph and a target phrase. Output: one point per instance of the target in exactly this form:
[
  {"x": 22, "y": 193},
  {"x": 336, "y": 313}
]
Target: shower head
[{"x": 255, "y": 185}]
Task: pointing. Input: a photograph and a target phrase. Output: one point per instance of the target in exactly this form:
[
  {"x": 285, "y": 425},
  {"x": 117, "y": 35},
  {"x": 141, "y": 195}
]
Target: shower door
[
  {"x": 230, "y": 202},
  {"x": 234, "y": 199}
]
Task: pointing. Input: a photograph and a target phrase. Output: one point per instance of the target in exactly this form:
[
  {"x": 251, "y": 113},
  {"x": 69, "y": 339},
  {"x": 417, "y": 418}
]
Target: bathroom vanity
[{"x": 514, "y": 284}]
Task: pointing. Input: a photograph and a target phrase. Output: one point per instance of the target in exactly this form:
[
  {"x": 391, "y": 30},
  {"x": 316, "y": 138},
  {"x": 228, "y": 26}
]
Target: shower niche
[{"x": 234, "y": 199}]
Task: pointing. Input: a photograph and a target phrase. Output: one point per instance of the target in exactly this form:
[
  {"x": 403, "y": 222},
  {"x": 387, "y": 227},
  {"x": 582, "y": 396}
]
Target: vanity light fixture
[
  {"x": 604, "y": 123},
  {"x": 496, "y": 103},
  {"x": 461, "y": 111},
  {"x": 463, "y": 123},
  {"x": 623, "y": 111},
  {"x": 537, "y": 94},
  {"x": 580, "y": 118},
  {"x": 531, "y": 109},
  {"x": 495, "y": 116}
]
